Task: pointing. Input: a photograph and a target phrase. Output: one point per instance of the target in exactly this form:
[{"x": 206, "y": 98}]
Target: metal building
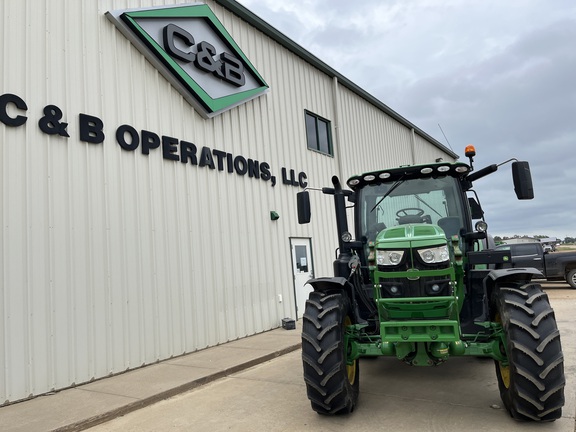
[{"x": 150, "y": 156}]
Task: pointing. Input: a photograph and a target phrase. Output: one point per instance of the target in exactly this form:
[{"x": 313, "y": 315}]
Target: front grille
[
  {"x": 414, "y": 285},
  {"x": 422, "y": 287}
]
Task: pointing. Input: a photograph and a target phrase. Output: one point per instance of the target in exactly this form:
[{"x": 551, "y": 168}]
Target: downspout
[
  {"x": 336, "y": 141},
  {"x": 413, "y": 147}
]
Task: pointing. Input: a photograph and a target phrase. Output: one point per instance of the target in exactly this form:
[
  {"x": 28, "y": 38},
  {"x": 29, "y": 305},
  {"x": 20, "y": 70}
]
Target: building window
[{"x": 318, "y": 134}]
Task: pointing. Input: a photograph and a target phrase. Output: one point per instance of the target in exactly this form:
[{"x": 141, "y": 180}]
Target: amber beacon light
[{"x": 470, "y": 151}]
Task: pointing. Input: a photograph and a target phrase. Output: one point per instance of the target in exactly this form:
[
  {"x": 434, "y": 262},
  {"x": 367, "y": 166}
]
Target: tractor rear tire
[
  {"x": 331, "y": 383},
  {"x": 532, "y": 383}
]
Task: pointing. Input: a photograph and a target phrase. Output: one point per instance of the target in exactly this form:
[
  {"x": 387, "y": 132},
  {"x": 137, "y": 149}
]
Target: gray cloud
[
  {"x": 519, "y": 103},
  {"x": 500, "y": 75}
]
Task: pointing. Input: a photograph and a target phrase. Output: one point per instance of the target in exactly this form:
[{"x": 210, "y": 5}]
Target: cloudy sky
[{"x": 497, "y": 74}]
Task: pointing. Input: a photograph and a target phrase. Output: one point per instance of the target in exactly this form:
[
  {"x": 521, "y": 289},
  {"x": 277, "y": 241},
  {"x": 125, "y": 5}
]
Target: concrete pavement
[
  {"x": 87, "y": 405},
  {"x": 460, "y": 395}
]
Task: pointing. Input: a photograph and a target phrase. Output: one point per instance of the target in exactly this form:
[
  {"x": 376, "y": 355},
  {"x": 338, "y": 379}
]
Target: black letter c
[
  {"x": 7, "y": 98},
  {"x": 302, "y": 179},
  {"x": 170, "y": 32}
]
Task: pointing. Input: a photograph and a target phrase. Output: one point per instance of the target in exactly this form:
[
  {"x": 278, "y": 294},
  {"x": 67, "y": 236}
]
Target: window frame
[{"x": 317, "y": 147}]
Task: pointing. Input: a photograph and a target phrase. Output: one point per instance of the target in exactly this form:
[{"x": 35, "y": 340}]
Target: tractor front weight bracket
[{"x": 359, "y": 344}]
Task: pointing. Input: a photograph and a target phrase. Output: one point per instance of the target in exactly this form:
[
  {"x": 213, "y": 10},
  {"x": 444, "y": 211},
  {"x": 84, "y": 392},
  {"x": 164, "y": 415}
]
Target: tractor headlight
[
  {"x": 434, "y": 255},
  {"x": 389, "y": 257}
]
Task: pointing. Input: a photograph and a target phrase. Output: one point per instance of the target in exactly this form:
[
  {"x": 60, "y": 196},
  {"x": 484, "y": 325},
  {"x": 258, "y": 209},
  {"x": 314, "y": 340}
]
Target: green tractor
[{"x": 419, "y": 282}]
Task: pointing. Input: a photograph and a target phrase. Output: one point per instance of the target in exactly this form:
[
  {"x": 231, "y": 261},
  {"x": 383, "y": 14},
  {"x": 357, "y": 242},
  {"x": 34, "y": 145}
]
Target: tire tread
[
  {"x": 536, "y": 387},
  {"x": 323, "y": 357}
]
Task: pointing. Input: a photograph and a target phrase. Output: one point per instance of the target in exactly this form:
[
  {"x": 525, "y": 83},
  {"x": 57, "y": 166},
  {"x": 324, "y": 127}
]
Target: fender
[
  {"x": 326, "y": 284},
  {"x": 339, "y": 284},
  {"x": 516, "y": 274}
]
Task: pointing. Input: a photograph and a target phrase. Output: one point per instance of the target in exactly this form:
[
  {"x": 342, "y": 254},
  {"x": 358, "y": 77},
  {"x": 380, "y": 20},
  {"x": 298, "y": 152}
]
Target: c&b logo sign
[{"x": 193, "y": 50}]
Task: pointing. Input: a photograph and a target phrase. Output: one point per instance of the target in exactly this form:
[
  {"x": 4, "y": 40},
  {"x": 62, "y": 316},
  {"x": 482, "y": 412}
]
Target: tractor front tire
[
  {"x": 532, "y": 382},
  {"x": 331, "y": 382}
]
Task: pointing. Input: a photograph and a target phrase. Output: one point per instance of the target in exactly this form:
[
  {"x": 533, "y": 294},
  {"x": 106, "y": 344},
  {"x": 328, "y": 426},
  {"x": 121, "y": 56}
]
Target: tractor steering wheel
[{"x": 404, "y": 212}]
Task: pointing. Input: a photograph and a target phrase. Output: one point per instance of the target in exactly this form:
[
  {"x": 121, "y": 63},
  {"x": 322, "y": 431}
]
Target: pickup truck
[{"x": 554, "y": 266}]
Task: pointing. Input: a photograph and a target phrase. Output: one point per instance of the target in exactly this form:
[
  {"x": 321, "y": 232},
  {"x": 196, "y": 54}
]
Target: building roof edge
[{"x": 253, "y": 19}]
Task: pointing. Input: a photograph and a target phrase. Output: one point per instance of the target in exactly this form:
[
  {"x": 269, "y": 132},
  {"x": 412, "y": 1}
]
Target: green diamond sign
[{"x": 193, "y": 51}]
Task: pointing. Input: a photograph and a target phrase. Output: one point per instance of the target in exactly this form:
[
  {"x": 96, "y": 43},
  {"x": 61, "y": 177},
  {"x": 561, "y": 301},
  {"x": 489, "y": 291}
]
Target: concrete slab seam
[{"x": 142, "y": 403}]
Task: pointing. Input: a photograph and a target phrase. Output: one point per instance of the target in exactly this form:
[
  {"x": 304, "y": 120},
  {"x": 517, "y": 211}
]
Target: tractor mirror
[
  {"x": 522, "y": 180},
  {"x": 475, "y": 209},
  {"x": 303, "y": 202}
]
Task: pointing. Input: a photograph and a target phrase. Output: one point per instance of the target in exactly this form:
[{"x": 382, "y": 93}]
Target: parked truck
[
  {"x": 553, "y": 266},
  {"x": 414, "y": 281}
]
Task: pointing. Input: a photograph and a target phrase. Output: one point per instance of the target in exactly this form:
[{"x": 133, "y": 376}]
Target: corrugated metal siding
[
  {"x": 113, "y": 259},
  {"x": 425, "y": 153},
  {"x": 370, "y": 140}
]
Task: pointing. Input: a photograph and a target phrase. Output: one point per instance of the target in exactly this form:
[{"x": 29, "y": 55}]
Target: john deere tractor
[{"x": 419, "y": 281}]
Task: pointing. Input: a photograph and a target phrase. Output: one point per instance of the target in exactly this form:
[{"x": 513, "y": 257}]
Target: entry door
[{"x": 303, "y": 271}]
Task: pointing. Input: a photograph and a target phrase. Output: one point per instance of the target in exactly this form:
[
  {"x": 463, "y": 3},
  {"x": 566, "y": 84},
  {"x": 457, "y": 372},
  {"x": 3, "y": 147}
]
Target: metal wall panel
[
  {"x": 112, "y": 259},
  {"x": 424, "y": 152},
  {"x": 371, "y": 140}
]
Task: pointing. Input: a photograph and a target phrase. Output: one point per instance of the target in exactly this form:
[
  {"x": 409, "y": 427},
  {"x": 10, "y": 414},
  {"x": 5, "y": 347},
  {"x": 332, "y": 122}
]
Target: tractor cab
[{"x": 411, "y": 195}]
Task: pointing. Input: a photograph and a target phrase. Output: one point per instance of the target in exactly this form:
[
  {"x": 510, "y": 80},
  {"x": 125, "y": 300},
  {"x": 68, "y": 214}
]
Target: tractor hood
[{"x": 410, "y": 236}]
